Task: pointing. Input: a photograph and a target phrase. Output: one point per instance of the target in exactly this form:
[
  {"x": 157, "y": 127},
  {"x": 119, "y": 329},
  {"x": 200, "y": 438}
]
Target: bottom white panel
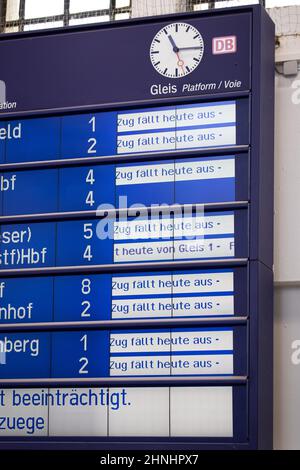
[{"x": 123, "y": 412}]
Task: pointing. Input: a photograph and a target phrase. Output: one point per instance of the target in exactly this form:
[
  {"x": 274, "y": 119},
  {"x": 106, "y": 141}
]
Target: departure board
[{"x": 136, "y": 205}]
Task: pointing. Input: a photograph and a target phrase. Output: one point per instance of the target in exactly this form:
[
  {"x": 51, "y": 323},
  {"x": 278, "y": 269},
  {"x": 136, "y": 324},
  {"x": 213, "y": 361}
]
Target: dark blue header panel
[{"x": 77, "y": 59}]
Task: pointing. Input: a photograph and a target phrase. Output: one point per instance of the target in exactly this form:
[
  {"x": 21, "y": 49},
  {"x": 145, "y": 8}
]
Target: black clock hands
[
  {"x": 180, "y": 62},
  {"x": 175, "y": 48},
  {"x": 178, "y": 49},
  {"x": 189, "y": 48}
]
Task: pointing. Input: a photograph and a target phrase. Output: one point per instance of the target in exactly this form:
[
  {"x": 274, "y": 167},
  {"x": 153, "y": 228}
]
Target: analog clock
[{"x": 176, "y": 50}]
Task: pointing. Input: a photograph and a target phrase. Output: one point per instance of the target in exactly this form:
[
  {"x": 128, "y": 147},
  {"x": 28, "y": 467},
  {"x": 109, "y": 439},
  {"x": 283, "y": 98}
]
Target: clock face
[{"x": 176, "y": 50}]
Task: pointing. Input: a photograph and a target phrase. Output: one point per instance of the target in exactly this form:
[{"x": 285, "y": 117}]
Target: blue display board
[
  {"x": 136, "y": 234},
  {"x": 118, "y": 296},
  {"x": 108, "y": 241},
  {"x": 143, "y": 353},
  {"x": 142, "y": 131},
  {"x": 181, "y": 181}
]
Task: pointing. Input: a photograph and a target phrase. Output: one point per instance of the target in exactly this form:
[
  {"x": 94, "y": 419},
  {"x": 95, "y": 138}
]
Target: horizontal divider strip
[
  {"x": 149, "y": 156},
  {"x": 281, "y": 284},
  {"x": 124, "y": 267},
  {"x": 105, "y": 444},
  {"x": 170, "y": 322},
  {"x": 127, "y": 212},
  {"x": 168, "y": 381}
]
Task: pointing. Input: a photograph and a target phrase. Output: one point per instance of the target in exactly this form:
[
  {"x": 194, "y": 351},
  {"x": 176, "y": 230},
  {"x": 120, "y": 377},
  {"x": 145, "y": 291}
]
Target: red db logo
[{"x": 224, "y": 45}]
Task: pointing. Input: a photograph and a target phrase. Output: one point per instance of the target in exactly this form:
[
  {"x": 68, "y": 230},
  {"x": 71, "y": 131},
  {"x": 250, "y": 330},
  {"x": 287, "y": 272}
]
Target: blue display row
[
  {"x": 172, "y": 128},
  {"x": 194, "y": 180},
  {"x": 157, "y": 352},
  {"x": 100, "y": 297},
  {"x": 208, "y": 235}
]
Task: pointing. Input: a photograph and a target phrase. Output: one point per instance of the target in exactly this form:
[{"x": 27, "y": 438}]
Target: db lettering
[{"x": 224, "y": 45}]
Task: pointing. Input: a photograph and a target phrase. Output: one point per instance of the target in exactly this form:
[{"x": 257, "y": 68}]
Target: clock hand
[
  {"x": 189, "y": 48},
  {"x": 180, "y": 62},
  {"x": 175, "y": 48}
]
